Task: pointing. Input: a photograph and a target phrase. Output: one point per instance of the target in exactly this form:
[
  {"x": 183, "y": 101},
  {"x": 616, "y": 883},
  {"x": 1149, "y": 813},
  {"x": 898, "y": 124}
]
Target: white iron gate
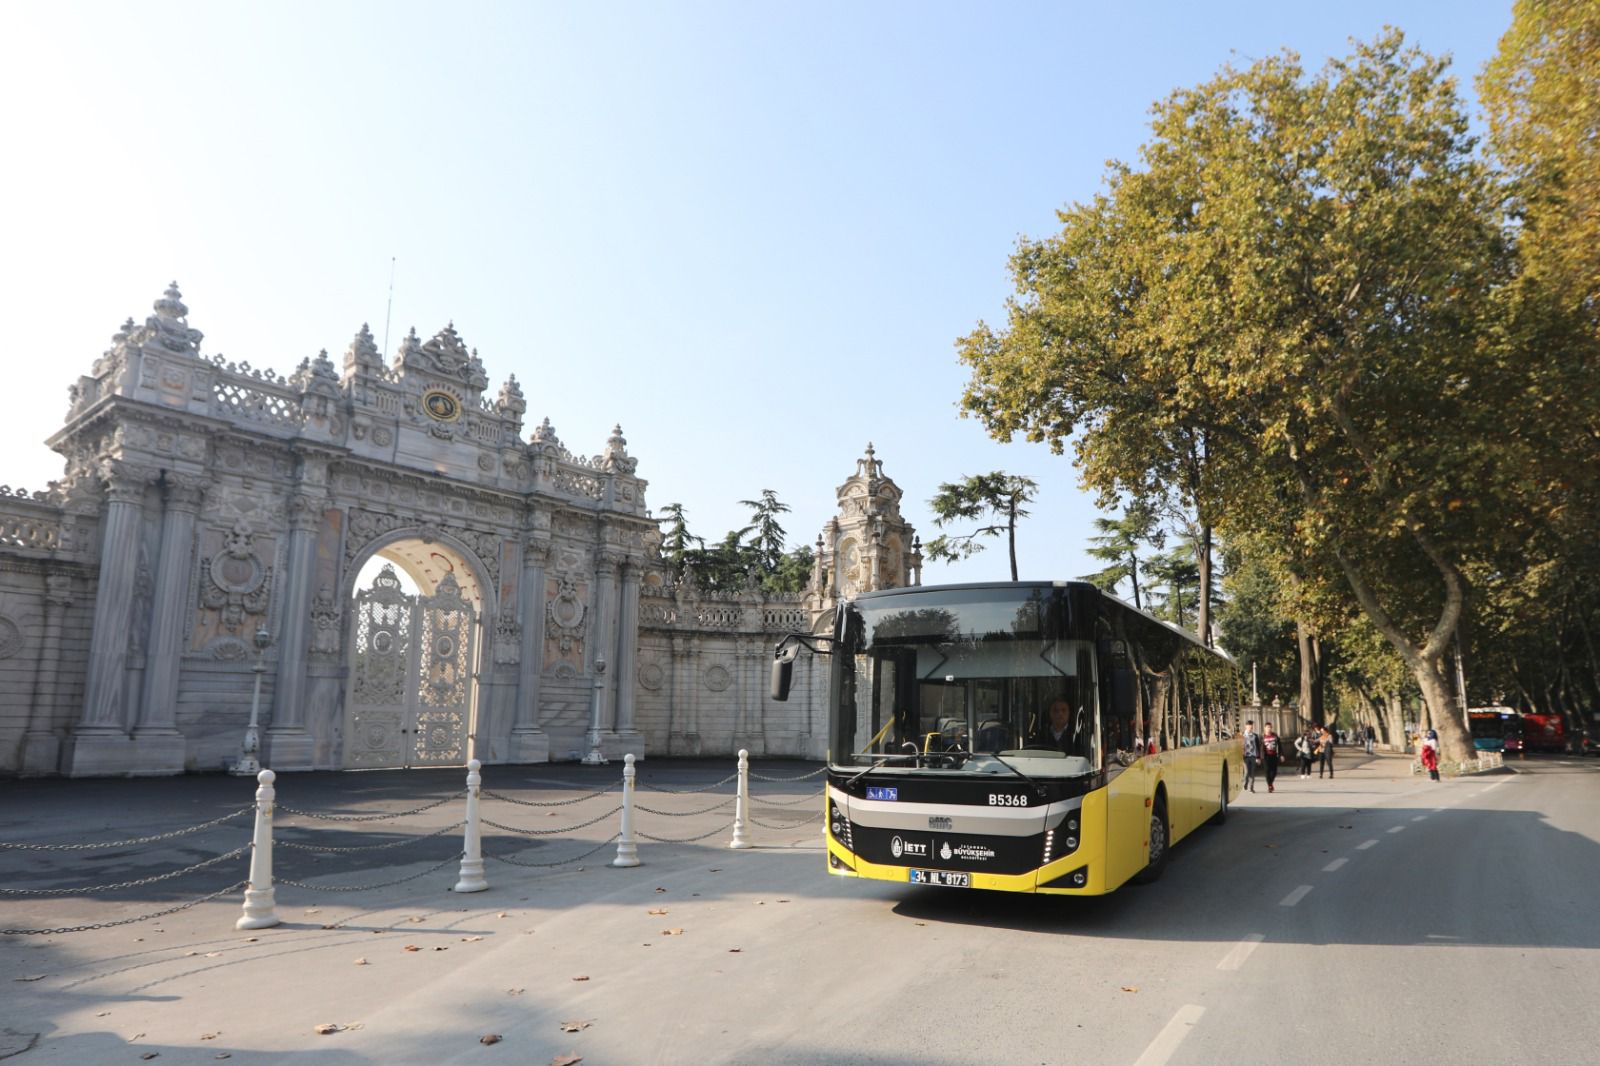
[{"x": 410, "y": 701}]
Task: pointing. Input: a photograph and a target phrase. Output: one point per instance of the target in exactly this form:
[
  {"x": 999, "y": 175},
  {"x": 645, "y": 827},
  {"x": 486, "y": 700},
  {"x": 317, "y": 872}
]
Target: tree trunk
[
  {"x": 1310, "y": 672},
  {"x": 1455, "y": 743},
  {"x": 1011, "y": 535},
  {"x": 1203, "y": 563},
  {"x": 1133, "y": 575}
]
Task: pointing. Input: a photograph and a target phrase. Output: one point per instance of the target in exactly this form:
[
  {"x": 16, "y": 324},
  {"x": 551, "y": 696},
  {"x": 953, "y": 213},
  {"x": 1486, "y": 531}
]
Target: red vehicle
[{"x": 1544, "y": 732}]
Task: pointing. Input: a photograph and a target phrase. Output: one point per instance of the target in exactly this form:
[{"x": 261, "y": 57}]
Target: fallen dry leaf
[
  {"x": 151, "y": 1055},
  {"x": 1130, "y": 988},
  {"x": 660, "y": 889},
  {"x": 223, "y": 1055},
  {"x": 327, "y": 1027},
  {"x": 251, "y": 939},
  {"x": 212, "y": 954},
  {"x": 514, "y": 991},
  {"x": 574, "y": 1027},
  {"x": 101, "y": 1014},
  {"x": 783, "y": 901},
  {"x": 503, "y": 914},
  {"x": 412, "y": 947},
  {"x": 470, "y": 939},
  {"x": 734, "y": 951},
  {"x": 440, "y": 947},
  {"x": 675, "y": 931},
  {"x": 566, "y": 1060},
  {"x": 716, "y": 869},
  {"x": 658, "y": 910},
  {"x": 581, "y": 977},
  {"x": 209, "y": 1036},
  {"x": 312, "y": 910},
  {"x": 489, "y": 1038},
  {"x": 361, "y": 962}
]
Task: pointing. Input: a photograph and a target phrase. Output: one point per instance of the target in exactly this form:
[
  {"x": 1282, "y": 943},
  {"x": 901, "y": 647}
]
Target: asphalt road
[{"x": 1373, "y": 918}]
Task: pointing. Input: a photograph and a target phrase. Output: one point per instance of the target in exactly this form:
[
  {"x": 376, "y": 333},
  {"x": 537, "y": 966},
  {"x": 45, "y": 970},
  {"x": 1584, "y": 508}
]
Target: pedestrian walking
[
  {"x": 1325, "y": 746},
  {"x": 1252, "y": 755},
  {"x": 1430, "y": 754},
  {"x": 1303, "y": 747},
  {"x": 1370, "y": 737},
  {"x": 1269, "y": 755}
]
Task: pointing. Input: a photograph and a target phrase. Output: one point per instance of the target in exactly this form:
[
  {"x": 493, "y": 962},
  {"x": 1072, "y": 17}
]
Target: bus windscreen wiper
[
  {"x": 880, "y": 761},
  {"x": 1038, "y": 788}
]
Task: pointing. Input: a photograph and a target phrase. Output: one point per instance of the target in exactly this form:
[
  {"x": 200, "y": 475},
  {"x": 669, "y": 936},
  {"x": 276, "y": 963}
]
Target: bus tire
[
  {"x": 1222, "y": 806},
  {"x": 1160, "y": 842}
]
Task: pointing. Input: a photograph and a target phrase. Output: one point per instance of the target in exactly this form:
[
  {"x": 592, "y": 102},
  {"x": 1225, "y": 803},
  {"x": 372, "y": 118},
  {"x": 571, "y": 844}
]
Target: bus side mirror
[{"x": 783, "y": 658}]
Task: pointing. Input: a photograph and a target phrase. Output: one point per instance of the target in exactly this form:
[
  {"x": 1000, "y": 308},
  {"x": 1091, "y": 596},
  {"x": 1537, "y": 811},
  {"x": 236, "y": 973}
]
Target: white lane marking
[
  {"x": 1295, "y": 897},
  {"x": 1420, "y": 818},
  {"x": 1334, "y": 865},
  {"x": 1167, "y": 1041},
  {"x": 1241, "y": 951},
  {"x": 1364, "y": 847},
  {"x": 1497, "y": 784},
  {"x": 1397, "y": 829}
]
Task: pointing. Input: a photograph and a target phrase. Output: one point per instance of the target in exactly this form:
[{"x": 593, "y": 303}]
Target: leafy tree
[
  {"x": 1118, "y": 546},
  {"x": 996, "y": 494},
  {"x": 677, "y": 541},
  {"x": 1174, "y": 585},
  {"x": 1287, "y": 317},
  {"x": 766, "y": 535},
  {"x": 1257, "y": 626},
  {"x": 793, "y": 571}
]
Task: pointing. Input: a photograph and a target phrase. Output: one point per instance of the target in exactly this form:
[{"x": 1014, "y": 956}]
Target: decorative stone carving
[
  {"x": 566, "y": 614},
  {"x": 11, "y": 638},
  {"x": 325, "y": 617},
  {"x": 652, "y": 676},
  {"x": 507, "y": 637},
  {"x": 235, "y": 581},
  {"x": 717, "y": 678}
]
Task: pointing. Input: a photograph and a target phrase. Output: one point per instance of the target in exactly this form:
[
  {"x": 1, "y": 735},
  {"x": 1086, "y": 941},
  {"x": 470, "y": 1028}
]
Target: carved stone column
[
  {"x": 627, "y": 682},
  {"x": 605, "y": 639},
  {"x": 529, "y": 743},
  {"x": 100, "y": 743},
  {"x": 288, "y": 745},
  {"x": 160, "y": 746},
  {"x": 41, "y": 746}
]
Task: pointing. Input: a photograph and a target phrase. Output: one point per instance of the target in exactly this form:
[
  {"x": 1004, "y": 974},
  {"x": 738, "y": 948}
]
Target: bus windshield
[{"x": 970, "y": 682}]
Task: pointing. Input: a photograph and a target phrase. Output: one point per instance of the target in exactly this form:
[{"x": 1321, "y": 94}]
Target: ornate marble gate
[{"x": 411, "y": 689}]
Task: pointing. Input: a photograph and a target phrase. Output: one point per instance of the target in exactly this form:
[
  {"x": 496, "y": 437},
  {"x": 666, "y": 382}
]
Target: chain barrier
[
  {"x": 802, "y": 777},
  {"x": 363, "y": 888},
  {"x": 126, "y": 921},
  {"x": 723, "y": 828},
  {"x": 811, "y": 798},
  {"x": 330, "y": 849},
  {"x": 559, "y": 862},
  {"x": 552, "y": 832},
  {"x": 782, "y": 827},
  {"x": 327, "y": 817},
  {"x": 688, "y": 791},
  {"x": 234, "y": 854},
  {"x": 547, "y": 803},
  {"x": 128, "y": 843},
  {"x": 683, "y": 814}
]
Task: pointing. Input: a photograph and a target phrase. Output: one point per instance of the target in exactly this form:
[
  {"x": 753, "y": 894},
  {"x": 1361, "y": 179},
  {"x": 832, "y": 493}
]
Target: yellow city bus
[{"x": 1023, "y": 737}]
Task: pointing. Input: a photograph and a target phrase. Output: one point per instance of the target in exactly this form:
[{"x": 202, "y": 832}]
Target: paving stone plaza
[{"x": 202, "y": 556}]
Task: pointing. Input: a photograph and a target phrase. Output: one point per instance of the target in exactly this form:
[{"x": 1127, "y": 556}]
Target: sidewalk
[{"x": 191, "y": 989}]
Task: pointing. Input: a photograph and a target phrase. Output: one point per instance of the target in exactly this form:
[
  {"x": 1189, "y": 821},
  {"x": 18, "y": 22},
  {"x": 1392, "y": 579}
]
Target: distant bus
[
  {"x": 1490, "y": 726},
  {"x": 1544, "y": 732},
  {"x": 1027, "y": 737}
]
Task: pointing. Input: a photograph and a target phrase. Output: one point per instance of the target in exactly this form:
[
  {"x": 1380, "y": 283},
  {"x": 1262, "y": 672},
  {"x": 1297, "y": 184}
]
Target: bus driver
[{"x": 1057, "y": 731}]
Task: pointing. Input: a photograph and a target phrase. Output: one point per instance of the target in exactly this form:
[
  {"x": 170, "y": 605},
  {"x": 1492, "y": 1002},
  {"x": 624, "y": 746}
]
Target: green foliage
[
  {"x": 1285, "y": 317},
  {"x": 749, "y": 557},
  {"x": 1118, "y": 544},
  {"x": 676, "y": 540},
  {"x": 998, "y": 495}
]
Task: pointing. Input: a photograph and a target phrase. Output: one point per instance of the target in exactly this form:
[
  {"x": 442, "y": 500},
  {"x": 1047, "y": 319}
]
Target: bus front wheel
[{"x": 1160, "y": 842}]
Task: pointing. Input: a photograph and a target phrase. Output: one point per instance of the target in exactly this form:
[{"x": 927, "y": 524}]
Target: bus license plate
[{"x": 947, "y": 878}]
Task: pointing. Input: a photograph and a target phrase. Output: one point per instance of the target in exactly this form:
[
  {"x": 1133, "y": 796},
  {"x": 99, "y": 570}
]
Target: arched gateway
[{"x": 214, "y": 519}]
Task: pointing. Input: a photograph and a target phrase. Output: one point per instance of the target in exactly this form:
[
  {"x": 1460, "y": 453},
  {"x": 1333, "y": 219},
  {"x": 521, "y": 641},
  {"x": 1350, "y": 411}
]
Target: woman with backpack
[{"x": 1304, "y": 746}]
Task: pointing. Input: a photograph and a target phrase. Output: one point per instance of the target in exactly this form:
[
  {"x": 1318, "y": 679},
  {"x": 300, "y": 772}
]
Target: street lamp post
[
  {"x": 249, "y": 763},
  {"x": 596, "y": 757}
]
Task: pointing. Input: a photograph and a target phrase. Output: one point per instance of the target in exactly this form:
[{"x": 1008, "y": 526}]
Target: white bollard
[
  {"x": 260, "y": 899},
  {"x": 741, "y": 802},
  {"x": 627, "y": 851},
  {"x": 472, "y": 879}
]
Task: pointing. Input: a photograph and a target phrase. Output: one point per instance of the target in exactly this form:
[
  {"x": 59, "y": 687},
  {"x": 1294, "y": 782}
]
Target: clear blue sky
[{"x": 750, "y": 233}]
